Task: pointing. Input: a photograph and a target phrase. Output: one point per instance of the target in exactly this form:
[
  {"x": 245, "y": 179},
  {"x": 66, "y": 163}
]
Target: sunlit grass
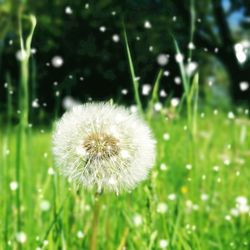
[{"x": 199, "y": 200}]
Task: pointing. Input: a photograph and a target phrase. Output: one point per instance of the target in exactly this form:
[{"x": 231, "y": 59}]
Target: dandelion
[
  {"x": 103, "y": 146},
  {"x": 57, "y": 61}
]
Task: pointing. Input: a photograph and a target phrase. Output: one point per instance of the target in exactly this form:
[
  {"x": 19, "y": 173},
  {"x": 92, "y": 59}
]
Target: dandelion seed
[
  {"x": 102, "y": 28},
  {"x": 162, "y": 59},
  {"x": 166, "y": 73},
  {"x": 175, "y": 102},
  {"x": 191, "y": 46},
  {"x": 188, "y": 166},
  {"x": 163, "y": 244},
  {"x": 80, "y": 234},
  {"x": 137, "y": 220},
  {"x": 69, "y": 102},
  {"x": 162, "y": 208},
  {"x": 45, "y": 205},
  {"x": 118, "y": 147},
  {"x": 163, "y": 167},
  {"x": 57, "y": 61},
  {"x": 244, "y": 86},
  {"x": 147, "y": 25},
  {"x": 163, "y": 93},
  {"x": 231, "y": 115},
  {"x": 21, "y": 237},
  {"x": 191, "y": 67},
  {"x": 172, "y": 197},
  {"x": 166, "y": 136},
  {"x": 146, "y": 88},
  {"x": 124, "y": 91},
  {"x": 21, "y": 55},
  {"x": 204, "y": 197},
  {"x": 68, "y": 10},
  {"x": 158, "y": 106},
  {"x": 116, "y": 38},
  {"x": 13, "y": 185},
  {"x": 179, "y": 58},
  {"x": 177, "y": 80},
  {"x": 51, "y": 171}
]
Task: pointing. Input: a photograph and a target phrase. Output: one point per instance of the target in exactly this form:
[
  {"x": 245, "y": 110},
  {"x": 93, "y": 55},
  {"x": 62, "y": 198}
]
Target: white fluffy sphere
[{"x": 103, "y": 146}]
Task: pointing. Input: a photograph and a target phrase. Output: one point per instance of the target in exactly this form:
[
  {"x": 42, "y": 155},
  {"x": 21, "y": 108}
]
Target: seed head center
[{"x": 101, "y": 145}]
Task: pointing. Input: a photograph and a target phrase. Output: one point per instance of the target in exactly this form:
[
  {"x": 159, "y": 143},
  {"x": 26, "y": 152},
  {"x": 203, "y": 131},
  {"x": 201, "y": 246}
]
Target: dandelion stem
[{"x": 93, "y": 240}]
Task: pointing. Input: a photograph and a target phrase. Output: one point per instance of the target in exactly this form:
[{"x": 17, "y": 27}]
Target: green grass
[{"x": 218, "y": 139}]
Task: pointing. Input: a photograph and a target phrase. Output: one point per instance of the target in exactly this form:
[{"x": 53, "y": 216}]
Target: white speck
[
  {"x": 124, "y": 91},
  {"x": 151, "y": 48},
  {"x": 158, "y": 106},
  {"x": 162, "y": 59},
  {"x": 80, "y": 234},
  {"x": 133, "y": 109},
  {"x": 163, "y": 167},
  {"x": 57, "y": 93},
  {"x": 137, "y": 220},
  {"x": 146, "y": 88},
  {"x": 86, "y": 6},
  {"x": 241, "y": 200},
  {"x": 162, "y": 208},
  {"x": 244, "y": 86},
  {"x": 228, "y": 217},
  {"x": 68, "y": 10},
  {"x": 33, "y": 51},
  {"x": 179, "y": 58},
  {"x": 69, "y": 102},
  {"x": 216, "y": 168},
  {"x": 35, "y": 103},
  {"x": 172, "y": 197},
  {"x": 166, "y": 73},
  {"x": 102, "y": 28},
  {"x": 216, "y": 112},
  {"x": 138, "y": 38},
  {"x": 191, "y": 67},
  {"x": 13, "y": 185},
  {"x": 45, "y": 205},
  {"x": 116, "y": 38},
  {"x": 175, "y": 102},
  {"x": 166, "y": 136},
  {"x": 163, "y": 244},
  {"x": 188, "y": 166},
  {"x": 57, "y": 61},
  {"x": 147, "y": 25},
  {"x": 177, "y": 80},
  {"x": 191, "y": 45},
  {"x": 174, "y": 18},
  {"x": 231, "y": 115},
  {"x": 21, "y": 55},
  {"x": 21, "y": 237},
  {"x": 204, "y": 197},
  {"x": 113, "y": 13},
  {"x": 51, "y": 171},
  {"x": 163, "y": 93}
]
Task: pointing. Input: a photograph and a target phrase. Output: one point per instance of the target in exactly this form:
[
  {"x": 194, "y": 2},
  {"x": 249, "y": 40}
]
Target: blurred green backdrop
[{"x": 85, "y": 41}]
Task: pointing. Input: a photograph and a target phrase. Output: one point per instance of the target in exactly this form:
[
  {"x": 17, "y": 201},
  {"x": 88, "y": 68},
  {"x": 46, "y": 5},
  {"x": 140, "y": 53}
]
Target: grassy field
[{"x": 195, "y": 197}]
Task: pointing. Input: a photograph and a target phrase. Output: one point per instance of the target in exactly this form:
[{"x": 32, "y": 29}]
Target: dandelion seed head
[{"x": 99, "y": 145}]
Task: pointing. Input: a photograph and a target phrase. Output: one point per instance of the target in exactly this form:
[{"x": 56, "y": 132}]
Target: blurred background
[{"x": 78, "y": 51}]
